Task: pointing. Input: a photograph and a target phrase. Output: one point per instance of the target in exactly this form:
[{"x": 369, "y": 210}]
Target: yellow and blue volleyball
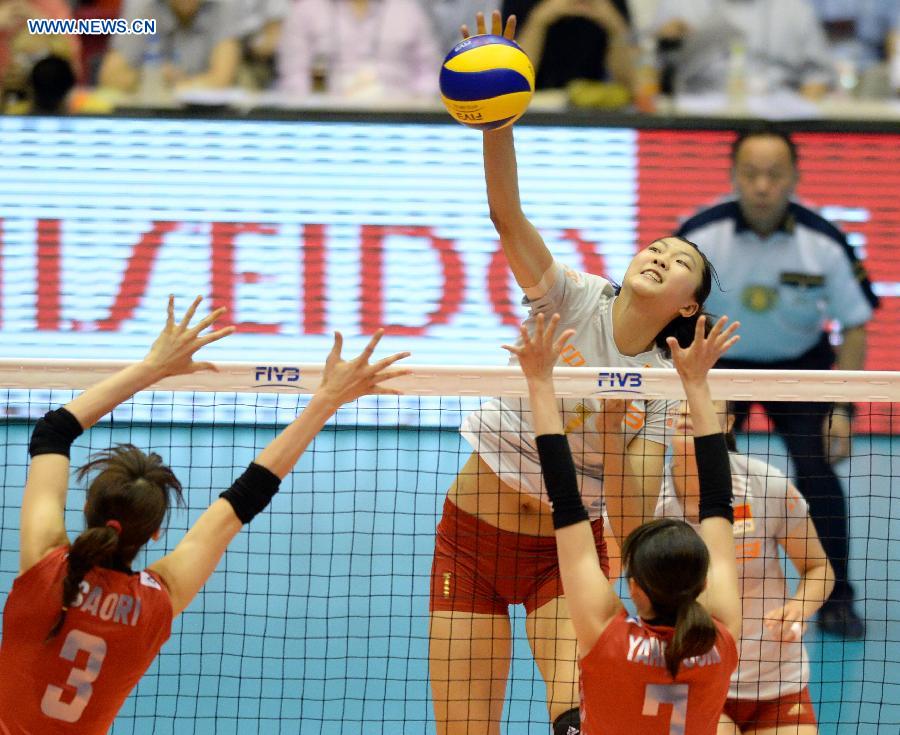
[{"x": 487, "y": 82}]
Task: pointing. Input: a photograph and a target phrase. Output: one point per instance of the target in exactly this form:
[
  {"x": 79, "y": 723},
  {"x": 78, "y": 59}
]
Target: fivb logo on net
[
  {"x": 286, "y": 376},
  {"x": 613, "y": 382}
]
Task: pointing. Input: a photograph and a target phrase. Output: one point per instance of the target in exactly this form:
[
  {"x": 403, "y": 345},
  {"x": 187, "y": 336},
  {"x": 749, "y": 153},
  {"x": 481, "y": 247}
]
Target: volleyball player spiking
[
  {"x": 668, "y": 668},
  {"x": 495, "y": 544},
  {"x": 80, "y": 627}
]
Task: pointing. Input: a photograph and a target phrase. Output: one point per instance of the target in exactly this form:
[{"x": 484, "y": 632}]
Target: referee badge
[{"x": 759, "y": 298}]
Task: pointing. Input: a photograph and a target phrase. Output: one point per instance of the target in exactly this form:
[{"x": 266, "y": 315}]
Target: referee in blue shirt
[{"x": 785, "y": 271}]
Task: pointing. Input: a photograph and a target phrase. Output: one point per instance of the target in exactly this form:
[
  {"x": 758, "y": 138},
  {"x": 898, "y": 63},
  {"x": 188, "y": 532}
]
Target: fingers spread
[
  {"x": 479, "y": 23},
  {"x": 510, "y": 31},
  {"x": 189, "y": 314},
  {"x": 216, "y": 336},
  {"x": 496, "y": 23},
  {"x": 700, "y": 328},
  {"x": 387, "y": 361},
  {"x": 207, "y": 320},
  {"x": 381, "y": 377},
  {"x": 370, "y": 348},
  {"x": 335, "y": 353},
  {"x": 717, "y": 327}
]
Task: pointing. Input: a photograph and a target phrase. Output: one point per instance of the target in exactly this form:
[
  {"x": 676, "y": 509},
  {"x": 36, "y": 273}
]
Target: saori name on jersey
[{"x": 117, "y": 607}]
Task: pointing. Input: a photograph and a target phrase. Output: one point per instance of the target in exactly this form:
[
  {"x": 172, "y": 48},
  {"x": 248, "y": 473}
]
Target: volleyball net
[{"x": 317, "y": 619}]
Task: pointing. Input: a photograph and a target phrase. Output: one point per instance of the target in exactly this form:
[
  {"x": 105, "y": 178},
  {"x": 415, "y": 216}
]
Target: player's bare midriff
[{"x": 478, "y": 491}]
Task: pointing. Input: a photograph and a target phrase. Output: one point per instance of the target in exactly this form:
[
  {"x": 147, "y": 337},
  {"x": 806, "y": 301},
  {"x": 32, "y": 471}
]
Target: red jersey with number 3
[
  {"x": 627, "y": 690},
  {"x": 77, "y": 681}
]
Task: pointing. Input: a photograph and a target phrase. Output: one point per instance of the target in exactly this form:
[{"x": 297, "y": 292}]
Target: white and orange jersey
[
  {"x": 77, "y": 681},
  {"x": 626, "y": 688},
  {"x": 766, "y": 508},
  {"x": 500, "y": 430}
]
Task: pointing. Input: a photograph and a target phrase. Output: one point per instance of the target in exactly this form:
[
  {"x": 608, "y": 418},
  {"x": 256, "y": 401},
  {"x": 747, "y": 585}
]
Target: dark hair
[
  {"x": 730, "y": 439},
  {"x": 51, "y": 79},
  {"x": 668, "y": 560},
  {"x": 765, "y": 130},
  {"x": 683, "y": 328},
  {"x": 132, "y": 489}
]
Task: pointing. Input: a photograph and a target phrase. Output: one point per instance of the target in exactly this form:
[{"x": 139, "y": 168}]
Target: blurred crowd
[{"x": 601, "y": 53}]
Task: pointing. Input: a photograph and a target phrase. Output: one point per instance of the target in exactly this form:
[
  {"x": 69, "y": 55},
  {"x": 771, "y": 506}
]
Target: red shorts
[
  {"x": 791, "y": 709},
  {"x": 479, "y": 568}
]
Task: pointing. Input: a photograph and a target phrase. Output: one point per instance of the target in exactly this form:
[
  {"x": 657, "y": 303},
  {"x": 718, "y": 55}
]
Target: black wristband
[
  {"x": 560, "y": 480},
  {"x": 714, "y": 470},
  {"x": 252, "y": 491},
  {"x": 54, "y": 433}
]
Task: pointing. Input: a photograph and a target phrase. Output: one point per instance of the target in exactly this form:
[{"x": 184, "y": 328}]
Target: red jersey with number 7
[
  {"x": 626, "y": 688},
  {"x": 77, "y": 681}
]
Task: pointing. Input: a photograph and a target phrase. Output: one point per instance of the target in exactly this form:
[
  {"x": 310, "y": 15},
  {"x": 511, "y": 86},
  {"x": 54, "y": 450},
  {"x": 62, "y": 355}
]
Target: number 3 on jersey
[
  {"x": 674, "y": 694},
  {"x": 80, "y": 679}
]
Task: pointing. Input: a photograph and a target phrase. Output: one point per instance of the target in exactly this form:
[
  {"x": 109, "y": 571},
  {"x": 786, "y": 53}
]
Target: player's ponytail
[
  {"x": 668, "y": 560},
  {"x": 127, "y": 502},
  {"x": 95, "y": 547},
  {"x": 695, "y": 634}
]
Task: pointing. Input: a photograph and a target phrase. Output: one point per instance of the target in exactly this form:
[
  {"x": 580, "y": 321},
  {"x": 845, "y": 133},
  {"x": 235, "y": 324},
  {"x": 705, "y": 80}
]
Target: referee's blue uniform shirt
[{"x": 782, "y": 288}]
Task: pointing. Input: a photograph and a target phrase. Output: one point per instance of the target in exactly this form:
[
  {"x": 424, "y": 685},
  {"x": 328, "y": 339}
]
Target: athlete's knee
[{"x": 568, "y": 723}]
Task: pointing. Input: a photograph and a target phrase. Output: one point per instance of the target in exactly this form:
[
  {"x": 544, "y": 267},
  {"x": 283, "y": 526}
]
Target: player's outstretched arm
[
  {"x": 722, "y": 596},
  {"x": 591, "y": 599},
  {"x": 186, "y": 569},
  {"x": 527, "y": 255},
  {"x": 42, "y": 521}
]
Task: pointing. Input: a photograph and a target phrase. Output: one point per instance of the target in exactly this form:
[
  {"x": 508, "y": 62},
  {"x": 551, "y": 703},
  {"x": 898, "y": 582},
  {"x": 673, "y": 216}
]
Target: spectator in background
[
  {"x": 195, "y": 42},
  {"x": 642, "y": 13},
  {"x": 51, "y": 80},
  {"x": 859, "y": 37},
  {"x": 448, "y": 15},
  {"x": 858, "y": 29},
  {"x": 263, "y": 21},
  {"x": 772, "y": 44},
  {"x": 20, "y": 50},
  {"x": 785, "y": 273},
  {"x": 93, "y": 46},
  {"x": 574, "y": 39},
  {"x": 358, "y": 48}
]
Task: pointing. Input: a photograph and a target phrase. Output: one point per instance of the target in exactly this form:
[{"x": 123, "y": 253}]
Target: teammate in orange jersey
[
  {"x": 769, "y": 691},
  {"x": 79, "y": 626},
  {"x": 668, "y": 668}
]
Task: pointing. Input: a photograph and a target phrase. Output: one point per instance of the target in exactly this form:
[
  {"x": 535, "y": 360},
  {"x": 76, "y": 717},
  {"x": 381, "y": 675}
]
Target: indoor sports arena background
[
  {"x": 316, "y": 621},
  {"x": 301, "y": 228}
]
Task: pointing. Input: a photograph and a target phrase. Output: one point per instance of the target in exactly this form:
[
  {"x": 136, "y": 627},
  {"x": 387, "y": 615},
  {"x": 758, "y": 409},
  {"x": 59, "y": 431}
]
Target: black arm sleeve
[
  {"x": 54, "y": 433},
  {"x": 714, "y": 471},
  {"x": 560, "y": 480},
  {"x": 252, "y": 491}
]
